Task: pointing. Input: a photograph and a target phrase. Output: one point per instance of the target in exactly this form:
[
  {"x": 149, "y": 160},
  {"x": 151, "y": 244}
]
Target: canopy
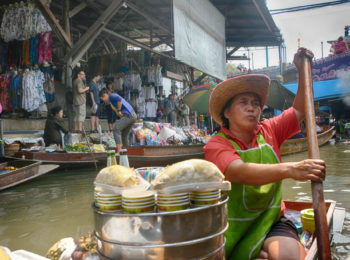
[
  {"x": 324, "y": 89},
  {"x": 198, "y": 98}
]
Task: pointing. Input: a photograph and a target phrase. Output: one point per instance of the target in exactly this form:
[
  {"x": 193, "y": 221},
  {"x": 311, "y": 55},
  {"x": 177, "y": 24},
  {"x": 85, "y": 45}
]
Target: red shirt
[
  {"x": 275, "y": 130},
  {"x": 340, "y": 47}
]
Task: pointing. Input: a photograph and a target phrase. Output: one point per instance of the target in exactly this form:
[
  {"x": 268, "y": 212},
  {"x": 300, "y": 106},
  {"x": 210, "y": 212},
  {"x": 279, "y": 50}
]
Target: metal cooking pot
[{"x": 195, "y": 233}]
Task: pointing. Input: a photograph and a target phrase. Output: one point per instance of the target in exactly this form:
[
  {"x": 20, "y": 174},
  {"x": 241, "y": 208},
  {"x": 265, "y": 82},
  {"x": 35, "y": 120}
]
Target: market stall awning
[{"x": 326, "y": 89}]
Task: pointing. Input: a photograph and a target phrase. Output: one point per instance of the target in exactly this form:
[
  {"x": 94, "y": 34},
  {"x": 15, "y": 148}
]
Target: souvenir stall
[
  {"x": 27, "y": 77},
  {"x": 135, "y": 77}
]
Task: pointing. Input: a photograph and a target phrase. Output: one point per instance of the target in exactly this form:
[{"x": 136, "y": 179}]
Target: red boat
[{"x": 139, "y": 156}]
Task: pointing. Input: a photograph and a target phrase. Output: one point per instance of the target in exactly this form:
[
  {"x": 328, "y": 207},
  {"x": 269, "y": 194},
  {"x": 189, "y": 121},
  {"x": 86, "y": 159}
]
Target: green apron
[{"x": 252, "y": 210}]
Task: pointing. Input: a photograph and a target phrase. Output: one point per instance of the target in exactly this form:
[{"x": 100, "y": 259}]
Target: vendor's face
[
  {"x": 105, "y": 98},
  {"x": 244, "y": 113},
  {"x": 60, "y": 114}
]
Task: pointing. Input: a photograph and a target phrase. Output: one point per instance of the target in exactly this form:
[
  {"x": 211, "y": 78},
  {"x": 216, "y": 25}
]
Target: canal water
[{"x": 35, "y": 215}]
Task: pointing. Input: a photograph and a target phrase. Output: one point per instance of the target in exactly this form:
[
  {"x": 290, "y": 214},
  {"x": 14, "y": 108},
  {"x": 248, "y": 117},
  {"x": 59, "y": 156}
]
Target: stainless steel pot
[{"x": 195, "y": 233}]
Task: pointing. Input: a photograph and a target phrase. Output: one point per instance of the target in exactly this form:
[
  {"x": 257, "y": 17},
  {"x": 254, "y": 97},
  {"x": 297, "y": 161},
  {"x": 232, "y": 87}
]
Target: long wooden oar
[{"x": 317, "y": 187}]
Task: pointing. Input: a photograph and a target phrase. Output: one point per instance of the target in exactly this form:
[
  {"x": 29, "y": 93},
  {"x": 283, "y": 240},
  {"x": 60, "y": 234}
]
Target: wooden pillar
[{"x": 68, "y": 70}]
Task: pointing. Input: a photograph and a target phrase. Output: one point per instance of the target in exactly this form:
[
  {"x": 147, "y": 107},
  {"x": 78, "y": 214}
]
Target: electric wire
[{"x": 307, "y": 7}]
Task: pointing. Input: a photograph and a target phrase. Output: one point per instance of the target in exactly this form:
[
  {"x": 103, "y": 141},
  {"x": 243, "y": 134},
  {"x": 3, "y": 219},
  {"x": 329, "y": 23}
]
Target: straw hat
[{"x": 224, "y": 91}]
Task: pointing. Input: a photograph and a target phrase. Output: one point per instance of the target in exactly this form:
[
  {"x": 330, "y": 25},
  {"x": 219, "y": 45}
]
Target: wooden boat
[
  {"x": 296, "y": 145},
  {"x": 25, "y": 171},
  {"x": 139, "y": 156},
  {"x": 335, "y": 218}
]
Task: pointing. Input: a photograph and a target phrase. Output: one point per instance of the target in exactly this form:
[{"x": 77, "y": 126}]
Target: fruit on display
[
  {"x": 118, "y": 175},
  {"x": 189, "y": 171}
]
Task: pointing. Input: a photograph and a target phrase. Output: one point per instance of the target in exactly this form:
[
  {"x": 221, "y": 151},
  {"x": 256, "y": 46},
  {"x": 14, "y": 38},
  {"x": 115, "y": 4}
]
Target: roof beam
[
  {"x": 136, "y": 43},
  {"x": 52, "y": 21},
  {"x": 84, "y": 43},
  {"x": 199, "y": 79},
  {"x": 233, "y": 51},
  {"x": 77, "y": 9},
  {"x": 237, "y": 58},
  {"x": 262, "y": 15},
  {"x": 148, "y": 17}
]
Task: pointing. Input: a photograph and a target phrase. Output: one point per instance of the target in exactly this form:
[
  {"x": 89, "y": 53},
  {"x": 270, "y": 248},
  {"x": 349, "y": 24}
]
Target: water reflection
[
  {"x": 336, "y": 187},
  {"x": 35, "y": 215}
]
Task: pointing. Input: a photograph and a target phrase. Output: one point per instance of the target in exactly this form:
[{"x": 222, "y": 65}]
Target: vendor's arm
[
  {"x": 259, "y": 174},
  {"x": 61, "y": 126},
  {"x": 81, "y": 88},
  {"x": 299, "y": 99}
]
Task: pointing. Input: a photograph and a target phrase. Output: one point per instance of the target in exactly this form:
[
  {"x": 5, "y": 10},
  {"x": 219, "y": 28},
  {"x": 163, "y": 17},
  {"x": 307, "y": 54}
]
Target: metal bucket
[{"x": 196, "y": 233}]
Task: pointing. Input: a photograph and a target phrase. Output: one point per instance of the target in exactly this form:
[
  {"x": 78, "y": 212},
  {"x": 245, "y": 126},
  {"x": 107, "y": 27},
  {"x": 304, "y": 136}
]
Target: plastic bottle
[
  {"x": 123, "y": 158},
  {"x": 109, "y": 159},
  {"x": 113, "y": 159}
]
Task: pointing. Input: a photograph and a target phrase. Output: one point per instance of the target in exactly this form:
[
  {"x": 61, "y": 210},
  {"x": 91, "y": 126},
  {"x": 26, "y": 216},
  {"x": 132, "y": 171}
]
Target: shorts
[
  {"x": 285, "y": 228},
  {"x": 97, "y": 114},
  {"x": 80, "y": 113}
]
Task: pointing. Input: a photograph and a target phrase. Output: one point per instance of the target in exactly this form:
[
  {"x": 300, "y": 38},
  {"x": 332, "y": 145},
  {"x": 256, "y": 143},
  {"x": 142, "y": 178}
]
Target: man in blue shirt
[
  {"x": 126, "y": 114},
  {"x": 95, "y": 110}
]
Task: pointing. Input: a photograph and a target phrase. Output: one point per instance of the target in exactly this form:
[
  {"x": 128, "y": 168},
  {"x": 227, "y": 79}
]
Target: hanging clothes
[
  {"x": 150, "y": 93},
  {"x": 34, "y": 41},
  {"x": 22, "y": 22},
  {"x": 21, "y": 34},
  {"x": 5, "y": 81},
  {"x": 158, "y": 77},
  {"x": 45, "y": 47},
  {"x": 15, "y": 91},
  {"x": 26, "y": 53},
  {"x": 49, "y": 85},
  {"x": 33, "y": 90},
  {"x": 151, "y": 74}
]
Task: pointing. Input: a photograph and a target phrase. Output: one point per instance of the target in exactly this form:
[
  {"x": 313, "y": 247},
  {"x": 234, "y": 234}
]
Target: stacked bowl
[
  {"x": 173, "y": 202},
  {"x": 108, "y": 201},
  {"x": 138, "y": 202},
  {"x": 202, "y": 198}
]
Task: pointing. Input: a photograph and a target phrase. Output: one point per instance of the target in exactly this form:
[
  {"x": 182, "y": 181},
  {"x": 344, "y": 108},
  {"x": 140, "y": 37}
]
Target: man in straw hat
[{"x": 248, "y": 153}]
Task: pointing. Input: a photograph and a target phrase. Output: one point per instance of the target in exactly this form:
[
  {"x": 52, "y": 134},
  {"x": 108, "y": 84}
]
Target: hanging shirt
[
  {"x": 126, "y": 108},
  {"x": 15, "y": 91}
]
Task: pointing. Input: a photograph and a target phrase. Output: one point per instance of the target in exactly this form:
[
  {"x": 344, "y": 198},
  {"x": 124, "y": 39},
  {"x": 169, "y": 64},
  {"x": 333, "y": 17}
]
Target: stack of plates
[
  {"x": 107, "y": 201},
  {"x": 138, "y": 202},
  {"x": 173, "y": 202},
  {"x": 202, "y": 198}
]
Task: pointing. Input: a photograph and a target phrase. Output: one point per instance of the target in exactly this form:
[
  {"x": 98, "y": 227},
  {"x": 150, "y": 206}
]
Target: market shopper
[
  {"x": 95, "y": 110},
  {"x": 79, "y": 101},
  {"x": 248, "y": 153},
  {"x": 126, "y": 114},
  {"x": 170, "y": 110},
  {"x": 184, "y": 113},
  {"x": 111, "y": 115},
  {"x": 54, "y": 126}
]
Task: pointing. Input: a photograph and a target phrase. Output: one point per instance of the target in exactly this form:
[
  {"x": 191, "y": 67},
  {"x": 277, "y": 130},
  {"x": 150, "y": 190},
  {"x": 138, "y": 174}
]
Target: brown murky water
[{"x": 35, "y": 215}]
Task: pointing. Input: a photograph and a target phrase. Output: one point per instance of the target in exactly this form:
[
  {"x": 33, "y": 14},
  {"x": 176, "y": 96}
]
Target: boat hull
[
  {"x": 26, "y": 171},
  {"x": 140, "y": 156},
  {"x": 296, "y": 145}
]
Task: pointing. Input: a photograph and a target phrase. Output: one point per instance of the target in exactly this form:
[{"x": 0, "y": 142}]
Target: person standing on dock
[
  {"x": 247, "y": 151},
  {"x": 79, "y": 101},
  {"x": 126, "y": 114},
  {"x": 94, "y": 94}
]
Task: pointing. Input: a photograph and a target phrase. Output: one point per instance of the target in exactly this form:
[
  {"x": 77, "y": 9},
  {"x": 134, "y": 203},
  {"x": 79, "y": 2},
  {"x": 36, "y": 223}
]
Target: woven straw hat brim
[{"x": 224, "y": 91}]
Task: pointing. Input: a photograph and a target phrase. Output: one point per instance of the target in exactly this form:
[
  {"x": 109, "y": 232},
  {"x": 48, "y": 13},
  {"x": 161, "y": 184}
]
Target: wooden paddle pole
[{"x": 317, "y": 187}]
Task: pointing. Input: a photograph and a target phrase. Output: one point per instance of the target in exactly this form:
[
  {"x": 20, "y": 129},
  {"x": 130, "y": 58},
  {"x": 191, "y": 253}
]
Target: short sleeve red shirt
[{"x": 275, "y": 130}]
